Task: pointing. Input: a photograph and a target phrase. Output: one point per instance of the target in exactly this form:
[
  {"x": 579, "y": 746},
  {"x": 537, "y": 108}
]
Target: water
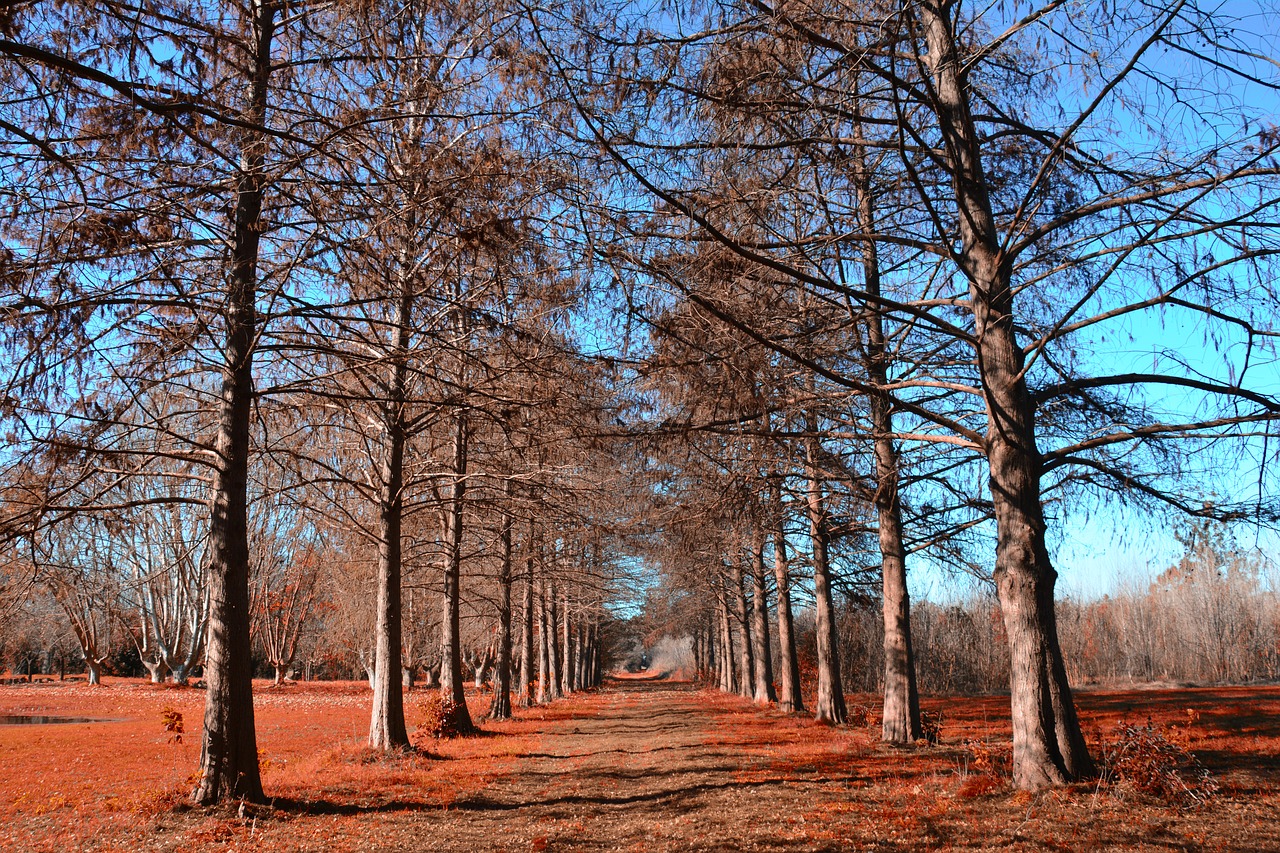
[{"x": 44, "y": 720}]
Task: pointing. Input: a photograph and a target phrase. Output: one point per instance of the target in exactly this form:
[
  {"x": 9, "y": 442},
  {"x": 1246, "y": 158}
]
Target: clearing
[{"x": 638, "y": 765}]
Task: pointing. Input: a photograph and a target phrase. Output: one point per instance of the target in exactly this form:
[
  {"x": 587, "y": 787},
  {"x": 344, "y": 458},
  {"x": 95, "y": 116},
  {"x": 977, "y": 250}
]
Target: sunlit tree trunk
[
  {"x": 229, "y": 751},
  {"x": 900, "y": 721},
  {"x": 1048, "y": 747},
  {"x": 743, "y": 652},
  {"x": 553, "y": 641},
  {"x": 451, "y": 678},
  {"x": 762, "y": 655},
  {"x": 387, "y": 727},
  {"x": 500, "y": 709},
  {"x": 829, "y": 705},
  {"x": 789, "y": 698},
  {"x": 526, "y": 628}
]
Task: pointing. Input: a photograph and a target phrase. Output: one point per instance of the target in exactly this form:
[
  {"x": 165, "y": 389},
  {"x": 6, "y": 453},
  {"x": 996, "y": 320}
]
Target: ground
[{"x": 638, "y": 765}]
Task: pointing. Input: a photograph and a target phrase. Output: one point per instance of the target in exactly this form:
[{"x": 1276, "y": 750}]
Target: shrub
[
  {"x": 931, "y": 726},
  {"x": 1157, "y": 761},
  {"x": 171, "y": 719},
  {"x": 440, "y": 718},
  {"x": 861, "y": 716}
]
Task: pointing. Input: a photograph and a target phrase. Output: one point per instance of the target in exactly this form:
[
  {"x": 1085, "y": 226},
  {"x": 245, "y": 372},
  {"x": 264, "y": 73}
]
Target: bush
[
  {"x": 1157, "y": 761},
  {"x": 931, "y": 726},
  {"x": 441, "y": 718}
]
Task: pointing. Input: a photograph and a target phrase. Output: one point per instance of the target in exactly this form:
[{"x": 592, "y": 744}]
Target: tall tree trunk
[
  {"x": 728, "y": 673},
  {"x": 1048, "y": 747},
  {"x": 553, "y": 642},
  {"x": 789, "y": 698},
  {"x": 386, "y": 726},
  {"x": 745, "y": 677},
  {"x": 500, "y": 709},
  {"x": 829, "y": 704},
  {"x": 544, "y": 652},
  {"x": 762, "y": 655},
  {"x": 451, "y": 678},
  {"x": 229, "y": 751},
  {"x": 566, "y": 646},
  {"x": 526, "y": 629},
  {"x": 901, "y": 716}
]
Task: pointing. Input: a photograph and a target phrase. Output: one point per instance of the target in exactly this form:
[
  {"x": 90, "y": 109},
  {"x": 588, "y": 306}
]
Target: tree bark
[
  {"x": 1048, "y": 747},
  {"x": 386, "y": 725},
  {"x": 762, "y": 655},
  {"x": 789, "y": 698},
  {"x": 526, "y": 631},
  {"x": 728, "y": 673},
  {"x": 451, "y": 678},
  {"x": 553, "y": 642},
  {"x": 229, "y": 751},
  {"x": 829, "y": 705},
  {"x": 566, "y": 646},
  {"x": 500, "y": 708},
  {"x": 745, "y": 676},
  {"x": 901, "y": 708},
  {"x": 544, "y": 654}
]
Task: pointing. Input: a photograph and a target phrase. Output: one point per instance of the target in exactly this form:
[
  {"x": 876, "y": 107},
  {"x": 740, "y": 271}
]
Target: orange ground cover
[{"x": 604, "y": 767}]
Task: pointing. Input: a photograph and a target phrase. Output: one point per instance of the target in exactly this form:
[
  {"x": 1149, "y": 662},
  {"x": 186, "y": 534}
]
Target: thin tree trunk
[
  {"x": 728, "y": 674},
  {"x": 789, "y": 698},
  {"x": 566, "y": 656},
  {"x": 451, "y": 678},
  {"x": 386, "y": 726},
  {"x": 901, "y": 709},
  {"x": 526, "y": 629},
  {"x": 544, "y": 661},
  {"x": 553, "y": 643},
  {"x": 762, "y": 655},
  {"x": 500, "y": 709},
  {"x": 830, "y": 705},
  {"x": 229, "y": 751},
  {"x": 742, "y": 630},
  {"x": 1048, "y": 746}
]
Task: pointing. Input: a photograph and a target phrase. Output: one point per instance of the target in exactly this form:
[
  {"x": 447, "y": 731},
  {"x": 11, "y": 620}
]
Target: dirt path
[{"x": 643, "y": 766}]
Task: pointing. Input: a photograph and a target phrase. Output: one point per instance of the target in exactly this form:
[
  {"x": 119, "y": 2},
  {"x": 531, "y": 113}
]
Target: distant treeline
[{"x": 1209, "y": 621}]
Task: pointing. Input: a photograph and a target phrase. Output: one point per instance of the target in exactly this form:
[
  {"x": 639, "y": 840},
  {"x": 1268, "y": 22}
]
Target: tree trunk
[
  {"x": 745, "y": 676},
  {"x": 1048, "y": 747},
  {"x": 789, "y": 698},
  {"x": 229, "y": 751},
  {"x": 901, "y": 717},
  {"x": 566, "y": 647},
  {"x": 500, "y": 708},
  {"x": 451, "y": 678},
  {"x": 94, "y": 670},
  {"x": 386, "y": 726},
  {"x": 728, "y": 673},
  {"x": 830, "y": 707},
  {"x": 761, "y": 654},
  {"x": 526, "y": 633},
  {"x": 553, "y": 643},
  {"x": 544, "y": 663},
  {"x": 156, "y": 670}
]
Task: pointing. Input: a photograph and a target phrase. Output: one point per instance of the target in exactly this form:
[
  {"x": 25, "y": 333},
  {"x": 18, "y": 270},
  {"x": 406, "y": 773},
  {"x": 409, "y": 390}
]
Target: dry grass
[{"x": 642, "y": 765}]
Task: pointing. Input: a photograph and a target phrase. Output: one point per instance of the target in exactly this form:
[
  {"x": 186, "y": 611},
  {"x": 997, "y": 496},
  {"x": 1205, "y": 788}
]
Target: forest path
[{"x": 641, "y": 765}]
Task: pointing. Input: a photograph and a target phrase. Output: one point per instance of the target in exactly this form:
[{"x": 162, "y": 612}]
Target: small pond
[{"x": 44, "y": 720}]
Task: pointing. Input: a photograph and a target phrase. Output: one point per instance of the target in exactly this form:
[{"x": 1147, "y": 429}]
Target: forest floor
[{"x": 638, "y": 765}]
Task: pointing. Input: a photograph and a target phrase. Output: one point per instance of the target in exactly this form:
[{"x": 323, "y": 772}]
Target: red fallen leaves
[{"x": 123, "y": 785}]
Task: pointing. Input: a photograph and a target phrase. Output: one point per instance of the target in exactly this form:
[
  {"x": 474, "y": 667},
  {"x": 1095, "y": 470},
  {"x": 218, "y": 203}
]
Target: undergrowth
[{"x": 1157, "y": 760}]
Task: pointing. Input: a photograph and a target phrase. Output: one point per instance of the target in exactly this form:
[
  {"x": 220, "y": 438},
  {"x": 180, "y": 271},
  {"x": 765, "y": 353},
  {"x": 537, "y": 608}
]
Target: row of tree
[{"x": 736, "y": 288}]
